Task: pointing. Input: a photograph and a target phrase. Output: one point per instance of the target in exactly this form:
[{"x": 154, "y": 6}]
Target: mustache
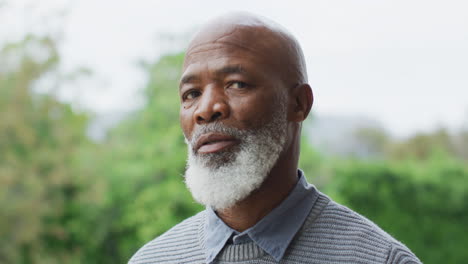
[{"x": 216, "y": 127}]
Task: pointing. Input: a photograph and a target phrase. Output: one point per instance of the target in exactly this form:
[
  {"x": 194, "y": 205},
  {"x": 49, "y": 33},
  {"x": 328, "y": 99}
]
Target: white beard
[{"x": 220, "y": 180}]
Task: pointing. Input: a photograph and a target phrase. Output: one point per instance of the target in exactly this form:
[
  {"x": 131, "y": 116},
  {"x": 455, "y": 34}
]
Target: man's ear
[{"x": 303, "y": 99}]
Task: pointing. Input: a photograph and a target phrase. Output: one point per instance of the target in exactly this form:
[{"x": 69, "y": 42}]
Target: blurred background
[{"x": 92, "y": 156}]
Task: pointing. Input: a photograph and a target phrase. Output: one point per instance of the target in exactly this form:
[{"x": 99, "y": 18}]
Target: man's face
[
  {"x": 233, "y": 115},
  {"x": 227, "y": 84}
]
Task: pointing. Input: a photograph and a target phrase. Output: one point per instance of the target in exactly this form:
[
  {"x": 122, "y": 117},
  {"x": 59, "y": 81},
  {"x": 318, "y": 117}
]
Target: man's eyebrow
[
  {"x": 188, "y": 79},
  {"x": 229, "y": 69}
]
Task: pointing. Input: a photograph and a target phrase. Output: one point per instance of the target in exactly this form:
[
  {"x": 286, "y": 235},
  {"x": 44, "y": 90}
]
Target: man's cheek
[{"x": 187, "y": 131}]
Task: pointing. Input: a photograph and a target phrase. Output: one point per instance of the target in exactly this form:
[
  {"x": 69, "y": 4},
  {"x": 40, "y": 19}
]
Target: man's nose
[{"x": 212, "y": 106}]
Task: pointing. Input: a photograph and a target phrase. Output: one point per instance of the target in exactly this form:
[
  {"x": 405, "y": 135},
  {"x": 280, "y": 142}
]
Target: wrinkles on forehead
[{"x": 261, "y": 45}]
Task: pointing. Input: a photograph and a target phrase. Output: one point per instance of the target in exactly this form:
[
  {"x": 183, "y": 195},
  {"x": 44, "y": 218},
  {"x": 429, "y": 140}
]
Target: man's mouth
[{"x": 213, "y": 142}]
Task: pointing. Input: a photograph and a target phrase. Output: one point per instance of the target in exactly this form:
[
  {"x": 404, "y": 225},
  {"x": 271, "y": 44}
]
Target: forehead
[{"x": 211, "y": 57}]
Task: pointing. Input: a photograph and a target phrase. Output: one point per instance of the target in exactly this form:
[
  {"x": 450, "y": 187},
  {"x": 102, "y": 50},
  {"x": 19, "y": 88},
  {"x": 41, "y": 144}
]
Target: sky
[{"x": 403, "y": 63}]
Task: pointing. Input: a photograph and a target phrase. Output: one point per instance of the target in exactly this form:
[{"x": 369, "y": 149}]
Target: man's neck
[{"x": 257, "y": 205}]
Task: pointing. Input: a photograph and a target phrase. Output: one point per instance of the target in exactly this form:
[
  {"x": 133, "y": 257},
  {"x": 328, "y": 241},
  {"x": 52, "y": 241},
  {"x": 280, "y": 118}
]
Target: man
[{"x": 244, "y": 95}]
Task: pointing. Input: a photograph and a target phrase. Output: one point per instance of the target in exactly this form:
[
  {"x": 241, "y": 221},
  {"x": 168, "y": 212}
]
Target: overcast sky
[{"x": 402, "y": 62}]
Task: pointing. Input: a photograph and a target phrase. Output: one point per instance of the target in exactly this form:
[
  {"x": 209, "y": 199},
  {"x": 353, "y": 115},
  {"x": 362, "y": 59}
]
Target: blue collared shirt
[{"x": 273, "y": 233}]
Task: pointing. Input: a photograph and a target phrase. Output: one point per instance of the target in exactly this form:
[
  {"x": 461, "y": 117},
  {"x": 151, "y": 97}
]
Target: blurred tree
[
  {"x": 423, "y": 146},
  {"x": 373, "y": 141},
  {"x": 45, "y": 185}
]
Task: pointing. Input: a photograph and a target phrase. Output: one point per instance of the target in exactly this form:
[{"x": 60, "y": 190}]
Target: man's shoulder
[
  {"x": 341, "y": 227},
  {"x": 181, "y": 243},
  {"x": 347, "y": 222}
]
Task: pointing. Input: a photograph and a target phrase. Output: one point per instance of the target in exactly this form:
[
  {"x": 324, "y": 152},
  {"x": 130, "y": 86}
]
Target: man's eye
[
  {"x": 191, "y": 95},
  {"x": 238, "y": 85}
]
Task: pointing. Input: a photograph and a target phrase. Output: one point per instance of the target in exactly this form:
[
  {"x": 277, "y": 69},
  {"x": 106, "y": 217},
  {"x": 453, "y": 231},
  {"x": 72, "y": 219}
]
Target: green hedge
[{"x": 422, "y": 204}]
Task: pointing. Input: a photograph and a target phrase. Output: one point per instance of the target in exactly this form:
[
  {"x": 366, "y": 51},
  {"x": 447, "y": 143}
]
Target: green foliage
[
  {"x": 46, "y": 194},
  {"x": 424, "y": 204}
]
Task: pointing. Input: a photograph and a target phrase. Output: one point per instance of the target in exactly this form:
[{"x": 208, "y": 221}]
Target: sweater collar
[{"x": 272, "y": 234}]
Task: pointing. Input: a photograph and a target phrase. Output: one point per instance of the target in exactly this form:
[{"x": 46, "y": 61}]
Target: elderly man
[{"x": 244, "y": 95}]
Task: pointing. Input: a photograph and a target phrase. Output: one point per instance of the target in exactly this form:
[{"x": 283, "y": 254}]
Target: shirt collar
[{"x": 274, "y": 232}]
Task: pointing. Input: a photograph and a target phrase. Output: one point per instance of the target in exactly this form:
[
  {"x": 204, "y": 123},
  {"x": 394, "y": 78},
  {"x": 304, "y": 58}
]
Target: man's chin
[{"x": 218, "y": 159}]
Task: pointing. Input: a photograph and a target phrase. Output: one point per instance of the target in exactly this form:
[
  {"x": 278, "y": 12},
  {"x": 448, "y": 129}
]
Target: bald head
[{"x": 270, "y": 43}]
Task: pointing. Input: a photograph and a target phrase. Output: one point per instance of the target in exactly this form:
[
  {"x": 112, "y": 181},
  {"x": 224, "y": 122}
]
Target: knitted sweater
[{"x": 331, "y": 233}]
